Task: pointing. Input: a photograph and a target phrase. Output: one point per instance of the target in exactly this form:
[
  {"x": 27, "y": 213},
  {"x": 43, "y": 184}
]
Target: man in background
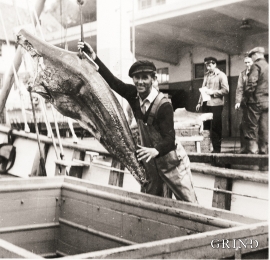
[
  {"x": 255, "y": 121},
  {"x": 216, "y": 84},
  {"x": 240, "y": 101}
]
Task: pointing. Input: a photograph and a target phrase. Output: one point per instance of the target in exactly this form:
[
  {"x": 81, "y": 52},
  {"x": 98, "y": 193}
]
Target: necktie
[{"x": 143, "y": 107}]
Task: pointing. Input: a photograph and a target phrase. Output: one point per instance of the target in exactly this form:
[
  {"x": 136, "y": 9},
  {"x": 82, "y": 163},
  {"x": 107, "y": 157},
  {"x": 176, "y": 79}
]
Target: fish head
[
  {"x": 34, "y": 64},
  {"x": 48, "y": 77}
]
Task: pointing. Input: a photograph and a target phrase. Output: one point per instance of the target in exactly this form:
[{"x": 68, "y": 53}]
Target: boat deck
[{"x": 217, "y": 183}]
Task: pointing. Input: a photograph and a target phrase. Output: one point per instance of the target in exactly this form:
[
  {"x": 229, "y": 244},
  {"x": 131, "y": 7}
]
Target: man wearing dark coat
[
  {"x": 154, "y": 117},
  {"x": 255, "y": 122},
  {"x": 240, "y": 100}
]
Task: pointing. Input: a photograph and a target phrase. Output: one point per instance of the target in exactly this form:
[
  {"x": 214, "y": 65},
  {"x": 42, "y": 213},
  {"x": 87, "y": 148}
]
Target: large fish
[{"x": 75, "y": 88}]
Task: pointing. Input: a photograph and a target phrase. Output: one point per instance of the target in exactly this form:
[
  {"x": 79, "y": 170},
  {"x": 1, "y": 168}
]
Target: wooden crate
[
  {"x": 65, "y": 216},
  {"x": 194, "y": 131}
]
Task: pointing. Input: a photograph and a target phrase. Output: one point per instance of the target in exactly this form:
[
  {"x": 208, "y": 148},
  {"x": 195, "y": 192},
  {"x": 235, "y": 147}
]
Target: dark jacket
[
  {"x": 241, "y": 85},
  {"x": 257, "y": 86},
  {"x": 164, "y": 120}
]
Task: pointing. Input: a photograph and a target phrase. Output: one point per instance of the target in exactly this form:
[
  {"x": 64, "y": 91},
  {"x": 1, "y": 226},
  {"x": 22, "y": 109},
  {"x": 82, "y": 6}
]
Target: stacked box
[{"x": 195, "y": 131}]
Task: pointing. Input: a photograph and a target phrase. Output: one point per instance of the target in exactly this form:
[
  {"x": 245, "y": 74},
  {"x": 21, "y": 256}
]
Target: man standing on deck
[
  {"x": 240, "y": 100},
  {"x": 154, "y": 116},
  {"x": 215, "y": 84},
  {"x": 255, "y": 121}
]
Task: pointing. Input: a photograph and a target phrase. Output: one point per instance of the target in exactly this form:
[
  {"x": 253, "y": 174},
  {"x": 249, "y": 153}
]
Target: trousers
[
  {"x": 255, "y": 125},
  {"x": 216, "y": 131}
]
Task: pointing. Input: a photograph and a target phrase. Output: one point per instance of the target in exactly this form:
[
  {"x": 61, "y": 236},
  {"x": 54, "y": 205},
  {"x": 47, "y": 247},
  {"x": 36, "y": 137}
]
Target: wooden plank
[
  {"x": 33, "y": 182},
  {"x": 192, "y": 247},
  {"x": 195, "y": 138},
  {"x": 141, "y": 229},
  {"x": 29, "y": 215},
  {"x": 222, "y": 200},
  {"x": 163, "y": 201},
  {"x": 8, "y": 250},
  {"x": 28, "y": 206},
  {"x": 116, "y": 178},
  {"x": 83, "y": 241},
  {"x": 107, "y": 197},
  {"x": 16, "y": 192},
  {"x": 40, "y": 239},
  {"x": 229, "y": 159},
  {"x": 76, "y": 170},
  {"x": 95, "y": 232},
  {"x": 254, "y": 176},
  {"x": 44, "y": 139},
  {"x": 109, "y": 216},
  {"x": 68, "y": 249}
]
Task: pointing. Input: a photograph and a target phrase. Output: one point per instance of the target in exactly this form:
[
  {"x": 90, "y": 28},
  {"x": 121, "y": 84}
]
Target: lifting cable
[{"x": 80, "y": 3}]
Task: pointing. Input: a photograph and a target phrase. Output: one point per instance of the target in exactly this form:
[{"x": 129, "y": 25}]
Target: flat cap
[
  {"x": 256, "y": 49},
  {"x": 141, "y": 66},
  {"x": 209, "y": 59}
]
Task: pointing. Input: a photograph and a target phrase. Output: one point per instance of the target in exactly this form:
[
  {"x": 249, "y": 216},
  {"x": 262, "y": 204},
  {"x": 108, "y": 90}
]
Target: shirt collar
[
  {"x": 150, "y": 98},
  {"x": 216, "y": 72}
]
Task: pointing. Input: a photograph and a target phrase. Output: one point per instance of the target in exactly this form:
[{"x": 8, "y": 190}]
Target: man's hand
[
  {"x": 209, "y": 92},
  {"x": 146, "y": 153},
  {"x": 84, "y": 46},
  {"x": 237, "y": 105},
  {"x": 198, "y": 107}
]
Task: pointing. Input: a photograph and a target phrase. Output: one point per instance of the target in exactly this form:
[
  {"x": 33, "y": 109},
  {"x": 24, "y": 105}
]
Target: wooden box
[{"x": 64, "y": 216}]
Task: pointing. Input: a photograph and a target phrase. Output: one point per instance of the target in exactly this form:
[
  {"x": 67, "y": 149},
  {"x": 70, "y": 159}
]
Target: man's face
[
  {"x": 143, "y": 82},
  {"x": 210, "y": 65},
  {"x": 248, "y": 62}
]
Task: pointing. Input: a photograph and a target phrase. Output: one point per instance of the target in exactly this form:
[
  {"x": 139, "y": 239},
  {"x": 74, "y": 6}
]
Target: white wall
[{"x": 183, "y": 71}]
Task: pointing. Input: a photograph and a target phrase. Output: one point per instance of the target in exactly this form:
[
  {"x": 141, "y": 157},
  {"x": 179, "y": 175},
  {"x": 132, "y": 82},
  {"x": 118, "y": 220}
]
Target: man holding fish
[{"x": 154, "y": 116}]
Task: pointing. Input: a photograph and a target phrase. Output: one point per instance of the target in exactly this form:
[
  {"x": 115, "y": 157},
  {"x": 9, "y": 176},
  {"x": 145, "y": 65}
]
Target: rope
[
  {"x": 198, "y": 187},
  {"x": 109, "y": 168},
  {"x": 42, "y": 161},
  {"x": 230, "y": 192},
  {"x": 61, "y": 19}
]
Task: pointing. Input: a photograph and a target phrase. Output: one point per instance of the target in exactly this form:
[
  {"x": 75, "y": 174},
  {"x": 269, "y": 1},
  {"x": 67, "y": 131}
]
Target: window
[
  {"x": 160, "y": 2},
  {"x": 200, "y": 69},
  {"x": 221, "y": 65},
  {"x": 143, "y": 4},
  {"x": 163, "y": 75}
]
